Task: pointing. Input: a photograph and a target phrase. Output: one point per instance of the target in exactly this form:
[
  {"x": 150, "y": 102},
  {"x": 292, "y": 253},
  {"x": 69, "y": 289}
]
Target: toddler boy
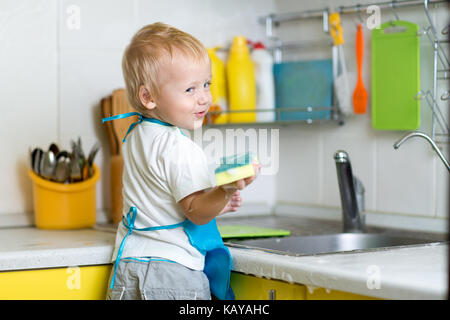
[{"x": 167, "y": 191}]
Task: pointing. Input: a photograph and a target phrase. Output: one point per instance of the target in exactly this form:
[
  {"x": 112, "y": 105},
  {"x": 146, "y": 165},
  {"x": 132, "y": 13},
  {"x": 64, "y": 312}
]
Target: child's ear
[{"x": 146, "y": 98}]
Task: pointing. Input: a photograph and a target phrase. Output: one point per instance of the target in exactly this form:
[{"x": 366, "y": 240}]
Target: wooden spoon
[
  {"x": 116, "y": 188},
  {"x": 107, "y": 112},
  {"x": 119, "y": 106}
]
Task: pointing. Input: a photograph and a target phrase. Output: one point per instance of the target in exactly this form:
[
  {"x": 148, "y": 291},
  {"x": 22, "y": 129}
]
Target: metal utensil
[
  {"x": 80, "y": 148},
  {"x": 78, "y": 153},
  {"x": 75, "y": 171},
  {"x": 62, "y": 154},
  {"x": 36, "y": 157},
  {"x": 32, "y": 154},
  {"x": 54, "y": 148},
  {"x": 47, "y": 165},
  {"x": 91, "y": 157},
  {"x": 62, "y": 171},
  {"x": 82, "y": 158}
]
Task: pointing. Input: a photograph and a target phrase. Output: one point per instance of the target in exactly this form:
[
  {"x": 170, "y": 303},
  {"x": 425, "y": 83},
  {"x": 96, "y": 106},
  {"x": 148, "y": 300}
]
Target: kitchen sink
[{"x": 328, "y": 243}]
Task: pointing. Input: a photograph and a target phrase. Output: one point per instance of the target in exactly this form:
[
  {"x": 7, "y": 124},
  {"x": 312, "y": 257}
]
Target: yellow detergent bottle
[
  {"x": 218, "y": 88},
  {"x": 241, "y": 82}
]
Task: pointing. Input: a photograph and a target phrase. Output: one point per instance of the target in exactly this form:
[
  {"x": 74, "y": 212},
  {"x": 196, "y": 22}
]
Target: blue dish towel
[{"x": 304, "y": 84}]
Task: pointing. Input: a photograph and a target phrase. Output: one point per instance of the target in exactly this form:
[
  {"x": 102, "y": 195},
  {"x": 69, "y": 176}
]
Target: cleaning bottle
[
  {"x": 241, "y": 82},
  {"x": 218, "y": 88},
  {"x": 265, "y": 87}
]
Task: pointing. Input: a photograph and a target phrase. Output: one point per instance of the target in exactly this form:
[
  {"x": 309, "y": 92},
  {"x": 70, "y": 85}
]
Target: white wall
[
  {"x": 53, "y": 78},
  {"x": 28, "y": 94}
]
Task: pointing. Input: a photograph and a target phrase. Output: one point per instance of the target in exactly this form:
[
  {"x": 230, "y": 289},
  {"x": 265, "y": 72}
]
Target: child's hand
[
  {"x": 233, "y": 204},
  {"x": 234, "y": 187},
  {"x": 242, "y": 183}
]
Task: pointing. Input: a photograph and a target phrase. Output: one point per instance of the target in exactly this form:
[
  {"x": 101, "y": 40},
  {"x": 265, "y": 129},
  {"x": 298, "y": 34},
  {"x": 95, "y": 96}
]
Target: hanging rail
[{"x": 318, "y": 13}]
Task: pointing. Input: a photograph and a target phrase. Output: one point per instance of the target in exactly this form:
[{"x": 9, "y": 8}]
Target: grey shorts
[{"x": 157, "y": 280}]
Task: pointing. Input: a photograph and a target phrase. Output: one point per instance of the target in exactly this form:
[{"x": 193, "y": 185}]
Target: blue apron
[{"x": 205, "y": 238}]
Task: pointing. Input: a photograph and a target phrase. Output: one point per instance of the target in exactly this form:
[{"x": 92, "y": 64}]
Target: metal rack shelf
[
  {"x": 273, "y": 19},
  {"x": 440, "y": 56},
  {"x": 441, "y": 68},
  {"x": 431, "y": 97},
  {"x": 334, "y": 115}
]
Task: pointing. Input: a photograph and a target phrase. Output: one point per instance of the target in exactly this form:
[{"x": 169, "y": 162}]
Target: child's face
[{"x": 184, "y": 92}]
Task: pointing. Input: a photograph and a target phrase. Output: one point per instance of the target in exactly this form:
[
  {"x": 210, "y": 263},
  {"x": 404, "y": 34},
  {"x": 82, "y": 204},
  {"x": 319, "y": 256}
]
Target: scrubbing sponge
[{"x": 234, "y": 168}]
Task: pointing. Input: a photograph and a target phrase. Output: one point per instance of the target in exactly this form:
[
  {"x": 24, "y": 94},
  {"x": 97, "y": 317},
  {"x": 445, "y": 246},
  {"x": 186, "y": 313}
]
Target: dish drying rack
[
  {"x": 277, "y": 46},
  {"x": 441, "y": 71},
  {"x": 440, "y": 130}
]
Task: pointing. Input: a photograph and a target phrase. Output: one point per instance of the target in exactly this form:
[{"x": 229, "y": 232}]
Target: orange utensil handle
[{"x": 359, "y": 49}]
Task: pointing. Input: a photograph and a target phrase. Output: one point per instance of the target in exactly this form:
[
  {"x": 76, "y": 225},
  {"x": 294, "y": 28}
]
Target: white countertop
[
  {"x": 32, "y": 248},
  {"x": 415, "y": 272}
]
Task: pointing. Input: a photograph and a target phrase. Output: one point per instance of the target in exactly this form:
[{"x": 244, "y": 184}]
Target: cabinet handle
[{"x": 272, "y": 294}]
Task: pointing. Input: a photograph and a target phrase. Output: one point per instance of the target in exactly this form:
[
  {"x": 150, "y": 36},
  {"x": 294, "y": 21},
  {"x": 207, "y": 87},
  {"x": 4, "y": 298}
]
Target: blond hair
[{"x": 150, "y": 48}]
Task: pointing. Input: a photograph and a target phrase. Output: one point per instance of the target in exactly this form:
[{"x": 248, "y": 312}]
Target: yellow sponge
[{"x": 234, "y": 168}]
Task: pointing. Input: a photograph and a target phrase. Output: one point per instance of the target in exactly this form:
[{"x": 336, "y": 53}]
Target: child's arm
[{"x": 203, "y": 206}]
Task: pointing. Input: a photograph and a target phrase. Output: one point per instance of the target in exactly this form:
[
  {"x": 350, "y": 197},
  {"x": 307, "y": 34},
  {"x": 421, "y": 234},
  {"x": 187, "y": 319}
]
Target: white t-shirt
[{"x": 161, "y": 167}]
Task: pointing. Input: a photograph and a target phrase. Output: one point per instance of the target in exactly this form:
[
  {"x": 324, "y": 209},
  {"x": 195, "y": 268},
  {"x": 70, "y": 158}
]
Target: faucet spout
[
  {"x": 408, "y": 135},
  {"x": 352, "y": 220}
]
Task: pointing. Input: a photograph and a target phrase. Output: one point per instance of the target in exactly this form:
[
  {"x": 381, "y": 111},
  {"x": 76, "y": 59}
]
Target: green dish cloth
[{"x": 240, "y": 231}]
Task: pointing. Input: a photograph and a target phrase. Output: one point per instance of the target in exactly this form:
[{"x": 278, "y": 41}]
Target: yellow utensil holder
[{"x": 64, "y": 206}]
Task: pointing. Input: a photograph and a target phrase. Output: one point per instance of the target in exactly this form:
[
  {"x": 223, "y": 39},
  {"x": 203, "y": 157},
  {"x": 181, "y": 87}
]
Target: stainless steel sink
[{"x": 329, "y": 243}]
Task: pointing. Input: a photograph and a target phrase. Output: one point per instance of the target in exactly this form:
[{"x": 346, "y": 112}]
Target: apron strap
[
  {"x": 125, "y": 115},
  {"x": 129, "y": 224},
  {"x": 141, "y": 118}
]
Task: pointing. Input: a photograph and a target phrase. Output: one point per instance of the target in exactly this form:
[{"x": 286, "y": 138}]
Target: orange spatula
[{"x": 360, "y": 93}]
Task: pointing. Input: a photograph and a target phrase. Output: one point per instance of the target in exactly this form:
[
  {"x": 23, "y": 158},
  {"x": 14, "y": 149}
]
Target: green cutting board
[
  {"x": 395, "y": 76},
  {"x": 239, "y": 231}
]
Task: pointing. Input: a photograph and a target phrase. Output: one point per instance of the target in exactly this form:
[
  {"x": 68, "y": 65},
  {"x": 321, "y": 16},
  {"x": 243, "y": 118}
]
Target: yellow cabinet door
[
  {"x": 246, "y": 287},
  {"x": 70, "y": 283}
]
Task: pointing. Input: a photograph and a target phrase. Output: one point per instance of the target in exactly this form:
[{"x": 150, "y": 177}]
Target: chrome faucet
[
  {"x": 351, "y": 190},
  {"x": 408, "y": 135}
]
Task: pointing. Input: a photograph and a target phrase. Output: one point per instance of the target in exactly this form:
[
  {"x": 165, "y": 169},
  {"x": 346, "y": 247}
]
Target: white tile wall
[
  {"x": 298, "y": 179},
  {"x": 53, "y": 77},
  {"x": 405, "y": 180},
  {"x": 28, "y": 101},
  {"x": 103, "y": 24}
]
